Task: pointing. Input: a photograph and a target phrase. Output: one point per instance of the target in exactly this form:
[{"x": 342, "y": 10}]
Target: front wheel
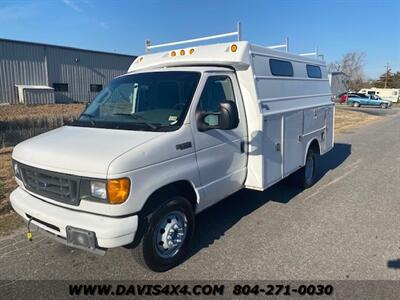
[
  {"x": 168, "y": 237},
  {"x": 356, "y": 104},
  {"x": 384, "y": 105}
]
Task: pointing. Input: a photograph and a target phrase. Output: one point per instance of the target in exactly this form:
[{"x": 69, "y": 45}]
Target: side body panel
[{"x": 288, "y": 112}]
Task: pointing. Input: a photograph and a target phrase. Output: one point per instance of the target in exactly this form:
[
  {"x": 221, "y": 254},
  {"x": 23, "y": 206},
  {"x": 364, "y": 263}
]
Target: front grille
[{"x": 53, "y": 185}]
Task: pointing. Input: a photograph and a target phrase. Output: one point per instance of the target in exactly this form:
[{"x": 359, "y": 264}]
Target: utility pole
[{"x": 387, "y": 74}]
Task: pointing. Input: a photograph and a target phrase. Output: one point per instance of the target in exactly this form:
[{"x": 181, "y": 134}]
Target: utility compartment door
[
  {"x": 272, "y": 149},
  {"x": 314, "y": 119},
  {"x": 293, "y": 151}
]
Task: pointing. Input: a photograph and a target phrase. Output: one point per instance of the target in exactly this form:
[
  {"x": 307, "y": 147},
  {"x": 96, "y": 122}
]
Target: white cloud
[{"x": 72, "y": 5}]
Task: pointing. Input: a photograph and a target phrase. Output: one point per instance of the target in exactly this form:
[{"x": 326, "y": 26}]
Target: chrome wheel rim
[
  {"x": 309, "y": 172},
  {"x": 170, "y": 234}
]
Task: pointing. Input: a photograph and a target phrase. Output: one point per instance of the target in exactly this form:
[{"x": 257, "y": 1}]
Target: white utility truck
[{"x": 182, "y": 130}]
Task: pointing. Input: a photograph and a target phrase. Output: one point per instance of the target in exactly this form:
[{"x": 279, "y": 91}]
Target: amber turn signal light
[
  {"x": 118, "y": 190},
  {"x": 234, "y": 48}
]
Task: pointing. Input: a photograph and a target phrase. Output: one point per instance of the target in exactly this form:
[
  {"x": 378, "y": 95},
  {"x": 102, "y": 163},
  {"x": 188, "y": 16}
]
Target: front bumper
[{"x": 110, "y": 232}]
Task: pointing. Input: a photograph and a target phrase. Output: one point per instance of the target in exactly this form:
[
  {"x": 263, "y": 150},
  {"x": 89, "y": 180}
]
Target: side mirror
[
  {"x": 227, "y": 118},
  {"x": 87, "y": 104}
]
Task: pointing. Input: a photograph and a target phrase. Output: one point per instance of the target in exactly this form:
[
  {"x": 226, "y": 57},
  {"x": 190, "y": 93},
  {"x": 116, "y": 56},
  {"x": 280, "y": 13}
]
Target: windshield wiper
[
  {"x": 138, "y": 117},
  {"x": 90, "y": 117}
]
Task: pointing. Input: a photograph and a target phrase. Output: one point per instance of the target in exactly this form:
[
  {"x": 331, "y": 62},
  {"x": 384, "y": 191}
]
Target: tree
[
  {"x": 351, "y": 64},
  {"x": 393, "y": 80}
]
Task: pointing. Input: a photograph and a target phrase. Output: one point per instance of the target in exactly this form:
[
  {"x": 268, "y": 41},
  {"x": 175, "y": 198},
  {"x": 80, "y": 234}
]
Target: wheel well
[
  {"x": 178, "y": 188},
  {"x": 315, "y": 146}
]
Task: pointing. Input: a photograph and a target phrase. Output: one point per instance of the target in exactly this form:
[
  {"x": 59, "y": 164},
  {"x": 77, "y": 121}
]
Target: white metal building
[{"x": 34, "y": 73}]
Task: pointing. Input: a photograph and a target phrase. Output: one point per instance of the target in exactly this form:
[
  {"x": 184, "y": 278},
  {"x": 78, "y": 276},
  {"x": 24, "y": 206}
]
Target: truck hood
[{"x": 79, "y": 150}]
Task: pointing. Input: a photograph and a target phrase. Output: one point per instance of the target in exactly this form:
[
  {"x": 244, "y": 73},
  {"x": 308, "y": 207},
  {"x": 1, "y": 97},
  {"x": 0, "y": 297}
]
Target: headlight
[
  {"x": 98, "y": 189},
  {"x": 112, "y": 191}
]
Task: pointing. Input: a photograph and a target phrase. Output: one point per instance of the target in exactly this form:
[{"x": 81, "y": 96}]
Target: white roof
[{"x": 215, "y": 55}]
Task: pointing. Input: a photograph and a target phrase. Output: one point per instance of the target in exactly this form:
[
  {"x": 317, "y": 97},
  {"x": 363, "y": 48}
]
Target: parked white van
[{"x": 180, "y": 131}]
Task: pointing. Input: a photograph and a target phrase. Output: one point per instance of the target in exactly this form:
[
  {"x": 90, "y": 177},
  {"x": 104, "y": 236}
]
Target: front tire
[
  {"x": 168, "y": 237},
  {"x": 384, "y": 105},
  {"x": 356, "y": 104}
]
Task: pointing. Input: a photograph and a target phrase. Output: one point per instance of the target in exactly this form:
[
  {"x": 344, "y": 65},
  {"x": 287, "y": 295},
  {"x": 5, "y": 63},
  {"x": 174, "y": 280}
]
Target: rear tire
[
  {"x": 307, "y": 175},
  {"x": 166, "y": 242},
  {"x": 356, "y": 104}
]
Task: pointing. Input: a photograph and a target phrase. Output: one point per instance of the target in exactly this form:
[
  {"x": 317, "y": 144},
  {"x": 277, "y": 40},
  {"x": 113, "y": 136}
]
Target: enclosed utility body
[
  {"x": 287, "y": 100},
  {"x": 179, "y": 132}
]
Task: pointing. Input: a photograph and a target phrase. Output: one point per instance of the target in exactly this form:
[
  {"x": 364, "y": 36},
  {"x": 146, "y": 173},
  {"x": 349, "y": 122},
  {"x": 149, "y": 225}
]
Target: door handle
[
  {"x": 278, "y": 147},
  {"x": 242, "y": 147}
]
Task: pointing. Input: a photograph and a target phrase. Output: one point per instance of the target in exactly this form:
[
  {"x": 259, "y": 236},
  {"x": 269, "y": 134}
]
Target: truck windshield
[{"x": 155, "y": 101}]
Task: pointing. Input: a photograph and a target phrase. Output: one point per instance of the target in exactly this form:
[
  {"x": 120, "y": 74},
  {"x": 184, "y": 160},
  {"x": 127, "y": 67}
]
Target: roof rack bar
[
  {"x": 285, "y": 45},
  {"x": 315, "y": 53},
  {"x": 309, "y": 54},
  {"x": 237, "y": 33}
]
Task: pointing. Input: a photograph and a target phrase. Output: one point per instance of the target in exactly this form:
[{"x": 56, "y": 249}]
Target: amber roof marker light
[{"x": 234, "y": 48}]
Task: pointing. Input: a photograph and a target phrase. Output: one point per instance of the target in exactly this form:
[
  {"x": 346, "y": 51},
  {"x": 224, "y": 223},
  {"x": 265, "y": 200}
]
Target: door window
[{"x": 216, "y": 90}]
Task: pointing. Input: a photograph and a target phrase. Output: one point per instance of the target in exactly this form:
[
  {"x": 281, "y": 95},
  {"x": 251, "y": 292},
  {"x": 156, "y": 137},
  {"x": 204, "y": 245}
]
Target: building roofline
[
  {"x": 338, "y": 73},
  {"x": 65, "y": 47}
]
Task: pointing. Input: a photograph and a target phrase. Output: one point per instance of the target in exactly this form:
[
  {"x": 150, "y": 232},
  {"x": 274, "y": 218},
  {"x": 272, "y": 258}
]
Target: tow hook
[{"x": 29, "y": 232}]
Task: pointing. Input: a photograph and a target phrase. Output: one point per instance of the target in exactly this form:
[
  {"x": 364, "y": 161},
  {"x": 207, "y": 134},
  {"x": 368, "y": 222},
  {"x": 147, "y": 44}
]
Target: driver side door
[{"x": 220, "y": 154}]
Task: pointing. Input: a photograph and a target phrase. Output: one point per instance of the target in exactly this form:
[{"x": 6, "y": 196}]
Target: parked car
[
  {"x": 182, "y": 130},
  {"x": 358, "y": 99},
  {"x": 342, "y": 98}
]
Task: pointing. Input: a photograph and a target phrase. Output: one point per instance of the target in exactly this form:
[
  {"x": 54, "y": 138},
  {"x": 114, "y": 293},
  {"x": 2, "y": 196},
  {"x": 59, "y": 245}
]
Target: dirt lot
[{"x": 345, "y": 121}]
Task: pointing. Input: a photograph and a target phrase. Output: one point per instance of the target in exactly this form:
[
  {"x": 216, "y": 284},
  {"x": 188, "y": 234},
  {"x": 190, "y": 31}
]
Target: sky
[{"x": 334, "y": 26}]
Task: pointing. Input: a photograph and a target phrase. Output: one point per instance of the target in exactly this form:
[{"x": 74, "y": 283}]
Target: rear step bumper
[{"x": 110, "y": 232}]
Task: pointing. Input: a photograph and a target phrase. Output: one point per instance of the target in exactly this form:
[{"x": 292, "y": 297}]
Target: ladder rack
[
  {"x": 237, "y": 33},
  {"x": 285, "y": 45},
  {"x": 315, "y": 53}
]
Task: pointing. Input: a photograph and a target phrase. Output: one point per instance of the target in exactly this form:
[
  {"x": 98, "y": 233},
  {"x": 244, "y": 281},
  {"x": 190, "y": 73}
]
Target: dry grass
[
  {"x": 16, "y": 112},
  {"x": 7, "y": 182},
  {"x": 19, "y": 122},
  {"x": 345, "y": 120}
]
